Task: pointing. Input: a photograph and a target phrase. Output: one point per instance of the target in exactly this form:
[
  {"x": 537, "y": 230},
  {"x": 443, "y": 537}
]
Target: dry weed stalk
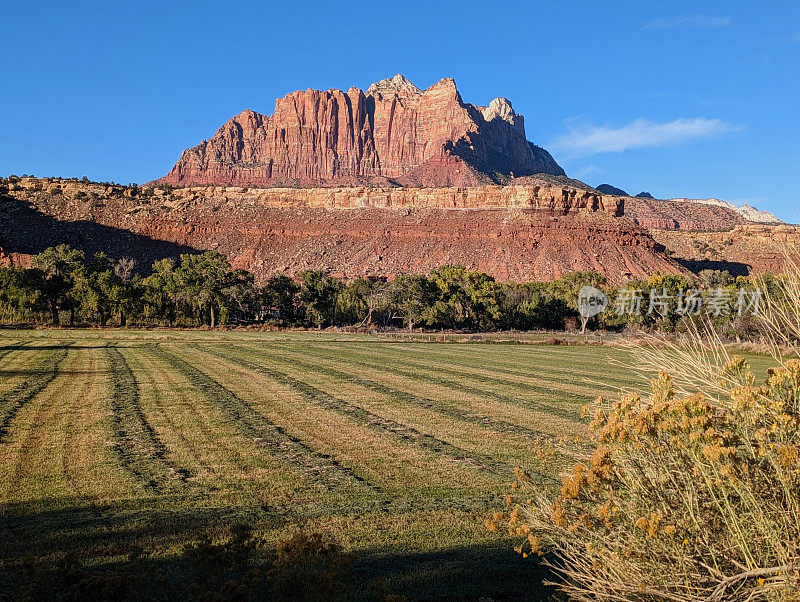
[{"x": 693, "y": 490}]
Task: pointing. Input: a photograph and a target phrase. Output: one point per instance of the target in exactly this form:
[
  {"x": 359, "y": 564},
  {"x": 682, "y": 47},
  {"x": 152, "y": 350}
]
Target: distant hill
[
  {"x": 748, "y": 212},
  {"x": 609, "y": 189}
]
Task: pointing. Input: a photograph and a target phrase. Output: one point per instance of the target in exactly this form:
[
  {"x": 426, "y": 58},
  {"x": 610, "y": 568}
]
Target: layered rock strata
[{"x": 394, "y": 134}]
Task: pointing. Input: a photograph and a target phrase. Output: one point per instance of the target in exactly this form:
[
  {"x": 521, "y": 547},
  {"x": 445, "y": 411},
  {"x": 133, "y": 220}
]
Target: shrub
[
  {"x": 693, "y": 489},
  {"x": 308, "y": 566}
]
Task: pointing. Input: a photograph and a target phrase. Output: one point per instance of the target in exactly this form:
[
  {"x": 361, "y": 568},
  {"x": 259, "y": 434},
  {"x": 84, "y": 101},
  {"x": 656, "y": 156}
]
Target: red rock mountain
[
  {"x": 539, "y": 228},
  {"x": 392, "y": 135},
  {"x": 519, "y": 232}
]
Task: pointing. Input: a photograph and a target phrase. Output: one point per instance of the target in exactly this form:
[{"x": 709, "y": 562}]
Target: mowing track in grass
[
  {"x": 12, "y": 347},
  {"x": 43, "y": 374},
  {"x": 368, "y": 419},
  {"x": 318, "y": 466},
  {"x": 415, "y": 373},
  {"x": 137, "y": 445},
  {"x": 551, "y": 361},
  {"x": 440, "y": 407},
  {"x": 450, "y": 411}
]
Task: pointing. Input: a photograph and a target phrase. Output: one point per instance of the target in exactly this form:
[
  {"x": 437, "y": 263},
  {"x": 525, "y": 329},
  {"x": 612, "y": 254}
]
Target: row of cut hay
[
  {"x": 17, "y": 363},
  {"x": 590, "y": 368},
  {"x": 466, "y": 425},
  {"x": 466, "y": 381},
  {"x": 12, "y": 346},
  {"x": 57, "y": 451},
  {"x": 39, "y": 376},
  {"x": 396, "y": 464},
  {"x": 395, "y": 432},
  {"x": 211, "y": 452},
  {"x": 257, "y": 427},
  {"x": 138, "y": 448},
  {"x": 457, "y": 387}
]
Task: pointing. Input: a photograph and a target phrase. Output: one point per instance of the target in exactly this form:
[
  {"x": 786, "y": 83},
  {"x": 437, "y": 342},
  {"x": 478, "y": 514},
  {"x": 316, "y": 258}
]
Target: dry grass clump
[{"x": 693, "y": 490}]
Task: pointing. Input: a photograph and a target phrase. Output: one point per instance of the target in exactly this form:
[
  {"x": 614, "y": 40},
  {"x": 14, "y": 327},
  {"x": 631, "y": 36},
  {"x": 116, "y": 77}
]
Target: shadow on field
[
  {"x": 129, "y": 551},
  {"x": 469, "y": 573},
  {"x": 45, "y": 347}
]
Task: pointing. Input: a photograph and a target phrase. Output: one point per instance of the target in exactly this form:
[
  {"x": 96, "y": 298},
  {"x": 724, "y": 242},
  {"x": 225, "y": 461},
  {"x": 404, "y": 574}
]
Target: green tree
[
  {"x": 280, "y": 294},
  {"x": 93, "y": 287},
  {"x": 411, "y": 296},
  {"x": 19, "y": 293},
  {"x": 203, "y": 281},
  {"x": 161, "y": 291},
  {"x": 125, "y": 298},
  {"x": 467, "y": 298},
  {"x": 318, "y": 293},
  {"x": 239, "y": 296},
  {"x": 359, "y": 300},
  {"x": 715, "y": 278},
  {"x": 530, "y": 305},
  {"x": 57, "y": 269}
]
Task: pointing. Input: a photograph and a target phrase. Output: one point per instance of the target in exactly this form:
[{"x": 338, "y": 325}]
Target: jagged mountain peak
[
  {"x": 395, "y": 135},
  {"x": 499, "y": 107},
  {"x": 397, "y": 84}
]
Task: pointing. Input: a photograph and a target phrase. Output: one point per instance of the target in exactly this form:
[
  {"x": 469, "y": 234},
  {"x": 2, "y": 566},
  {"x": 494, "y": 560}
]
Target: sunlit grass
[{"x": 120, "y": 439}]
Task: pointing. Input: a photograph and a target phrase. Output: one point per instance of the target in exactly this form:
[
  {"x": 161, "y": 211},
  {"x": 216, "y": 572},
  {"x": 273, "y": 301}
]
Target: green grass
[{"x": 398, "y": 448}]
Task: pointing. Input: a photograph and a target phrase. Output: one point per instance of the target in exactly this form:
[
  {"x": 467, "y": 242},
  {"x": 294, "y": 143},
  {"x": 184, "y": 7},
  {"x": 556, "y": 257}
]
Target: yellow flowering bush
[{"x": 686, "y": 496}]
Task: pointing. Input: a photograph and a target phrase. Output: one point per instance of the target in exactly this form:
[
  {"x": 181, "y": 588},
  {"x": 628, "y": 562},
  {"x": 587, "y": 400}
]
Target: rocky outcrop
[
  {"x": 744, "y": 249},
  {"x": 748, "y": 212},
  {"x": 513, "y": 232},
  {"x": 693, "y": 214},
  {"x": 677, "y": 215},
  {"x": 544, "y": 197},
  {"x": 392, "y": 135},
  {"x": 687, "y": 214}
]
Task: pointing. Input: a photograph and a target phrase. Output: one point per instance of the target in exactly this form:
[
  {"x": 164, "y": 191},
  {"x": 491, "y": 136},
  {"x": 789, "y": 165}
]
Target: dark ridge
[{"x": 609, "y": 189}]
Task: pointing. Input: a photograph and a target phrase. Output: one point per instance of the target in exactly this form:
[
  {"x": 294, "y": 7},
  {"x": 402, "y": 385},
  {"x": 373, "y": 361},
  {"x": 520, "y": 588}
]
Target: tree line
[{"x": 63, "y": 286}]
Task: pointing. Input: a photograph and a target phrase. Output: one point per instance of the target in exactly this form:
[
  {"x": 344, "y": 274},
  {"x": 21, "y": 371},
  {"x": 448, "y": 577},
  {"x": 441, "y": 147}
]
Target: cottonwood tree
[
  {"x": 124, "y": 271},
  {"x": 280, "y": 293},
  {"x": 411, "y": 296},
  {"x": 318, "y": 293},
  {"x": 203, "y": 280},
  {"x": 161, "y": 291},
  {"x": 57, "y": 269}
]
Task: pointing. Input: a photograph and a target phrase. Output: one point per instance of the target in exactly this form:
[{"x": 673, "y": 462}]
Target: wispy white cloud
[
  {"x": 690, "y": 21},
  {"x": 586, "y": 171},
  {"x": 586, "y": 140}
]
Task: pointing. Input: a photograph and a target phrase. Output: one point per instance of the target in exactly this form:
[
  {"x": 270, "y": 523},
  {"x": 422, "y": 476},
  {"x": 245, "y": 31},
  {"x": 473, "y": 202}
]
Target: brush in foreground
[{"x": 693, "y": 490}]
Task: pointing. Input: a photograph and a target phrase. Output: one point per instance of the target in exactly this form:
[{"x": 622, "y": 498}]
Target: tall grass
[{"x": 693, "y": 489}]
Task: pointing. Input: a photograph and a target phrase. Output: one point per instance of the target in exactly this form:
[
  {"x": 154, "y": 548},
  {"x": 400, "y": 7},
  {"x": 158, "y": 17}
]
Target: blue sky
[{"x": 696, "y": 99}]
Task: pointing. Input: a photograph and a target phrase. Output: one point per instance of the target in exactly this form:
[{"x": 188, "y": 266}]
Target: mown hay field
[{"x": 114, "y": 441}]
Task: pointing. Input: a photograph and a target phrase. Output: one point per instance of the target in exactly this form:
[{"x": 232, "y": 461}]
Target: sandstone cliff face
[
  {"x": 680, "y": 215},
  {"x": 744, "y": 249},
  {"x": 395, "y": 134},
  {"x": 748, "y": 212},
  {"x": 513, "y": 232},
  {"x": 689, "y": 214}
]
